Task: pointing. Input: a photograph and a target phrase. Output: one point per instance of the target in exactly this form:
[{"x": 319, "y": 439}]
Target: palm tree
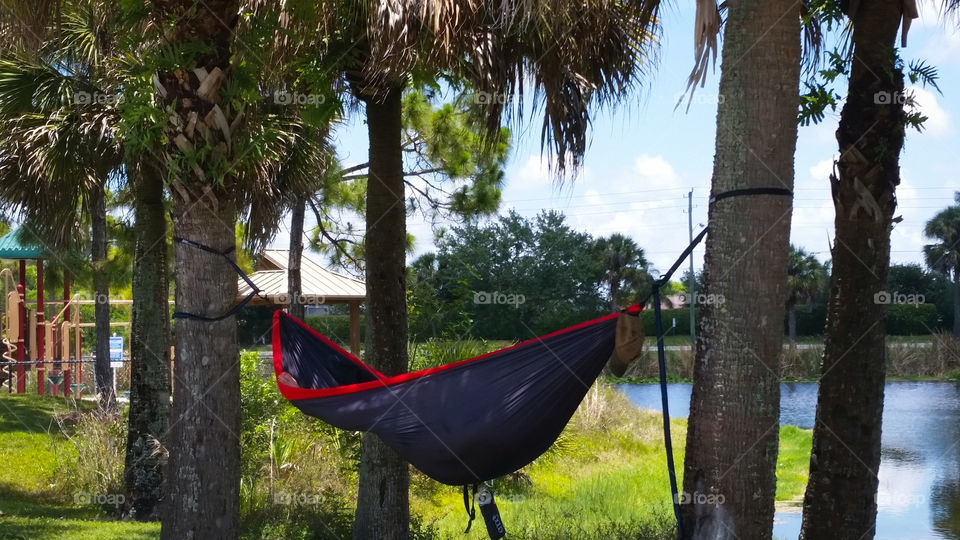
[
  {"x": 51, "y": 137},
  {"x": 732, "y": 437},
  {"x": 602, "y": 46},
  {"x": 66, "y": 81},
  {"x": 805, "y": 279},
  {"x": 840, "y": 497},
  {"x": 223, "y": 151},
  {"x": 944, "y": 256},
  {"x": 623, "y": 264}
]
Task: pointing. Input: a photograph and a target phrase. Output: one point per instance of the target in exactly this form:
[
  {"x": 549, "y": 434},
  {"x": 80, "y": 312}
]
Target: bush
[
  {"x": 298, "y": 473},
  {"x": 436, "y": 352},
  {"x": 336, "y": 327},
  {"x": 911, "y": 319},
  {"x": 90, "y": 463},
  {"x": 681, "y": 315}
]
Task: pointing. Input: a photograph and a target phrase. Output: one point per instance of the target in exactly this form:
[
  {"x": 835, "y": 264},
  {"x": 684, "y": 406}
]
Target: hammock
[{"x": 461, "y": 423}]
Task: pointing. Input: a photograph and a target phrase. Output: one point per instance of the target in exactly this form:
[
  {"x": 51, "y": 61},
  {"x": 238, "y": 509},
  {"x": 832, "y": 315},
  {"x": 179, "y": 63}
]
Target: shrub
[
  {"x": 911, "y": 319},
  {"x": 336, "y": 327},
  {"x": 437, "y": 352},
  {"x": 90, "y": 462}
]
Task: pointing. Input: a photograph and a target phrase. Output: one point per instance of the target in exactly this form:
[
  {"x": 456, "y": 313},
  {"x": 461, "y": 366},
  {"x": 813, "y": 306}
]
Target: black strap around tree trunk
[
  {"x": 751, "y": 191},
  {"x": 254, "y": 290}
]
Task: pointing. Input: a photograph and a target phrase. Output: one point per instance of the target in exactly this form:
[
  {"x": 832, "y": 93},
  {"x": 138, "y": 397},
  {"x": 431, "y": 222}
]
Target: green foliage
[
  {"x": 793, "y": 463},
  {"x": 943, "y": 256},
  {"x": 453, "y": 169},
  {"x": 927, "y": 75},
  {"x": 436, "y": 352},
  {"x": 820, "y": 93},
  {"x": 911, "y": 319},
  {"x": 808, "y": 279},
  {"x": 511, "y": 279},
  {"x": 336, "y": 327},
  {"x": 92, "y": 460}
]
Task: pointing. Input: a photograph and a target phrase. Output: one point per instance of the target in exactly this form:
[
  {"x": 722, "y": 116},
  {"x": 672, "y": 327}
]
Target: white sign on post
[{"x": 116, "y": 351}]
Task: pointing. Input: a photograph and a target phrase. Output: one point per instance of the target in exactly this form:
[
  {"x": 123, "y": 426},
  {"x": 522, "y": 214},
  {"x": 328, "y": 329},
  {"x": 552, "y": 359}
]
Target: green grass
[
  {"x": 793, "y": 464},
  {"x": 605, "y": 477},
  {"x": 31, "y": 504}
]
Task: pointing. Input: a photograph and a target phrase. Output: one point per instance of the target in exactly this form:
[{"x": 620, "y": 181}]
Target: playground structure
[
  {"x": 30, "y": 342},
  {"x": 51, "y": 347}
]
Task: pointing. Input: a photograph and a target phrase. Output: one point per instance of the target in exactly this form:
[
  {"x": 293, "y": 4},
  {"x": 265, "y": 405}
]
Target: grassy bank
[{"x": 604, "y": 478}]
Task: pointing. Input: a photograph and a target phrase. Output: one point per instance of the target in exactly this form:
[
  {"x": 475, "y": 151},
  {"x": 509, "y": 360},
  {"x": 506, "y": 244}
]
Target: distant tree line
[{"x": 517, "y": 278}]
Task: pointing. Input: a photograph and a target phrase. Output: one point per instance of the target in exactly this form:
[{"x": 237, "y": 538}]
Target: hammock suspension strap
[
  {"x": 751, "y": 191},
  {"x": 254, "y": 290},
  {"x": 470, "y": 508}
]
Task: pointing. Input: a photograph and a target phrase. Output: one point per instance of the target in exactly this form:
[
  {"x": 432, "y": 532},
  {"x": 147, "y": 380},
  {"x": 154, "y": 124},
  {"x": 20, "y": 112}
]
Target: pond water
[{"x": 919, "y": 493}]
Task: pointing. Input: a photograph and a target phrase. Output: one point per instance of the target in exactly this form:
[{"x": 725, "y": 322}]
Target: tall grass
[
  {"x": 906, "y": 358},
  {"x": 91, "y": 460}
]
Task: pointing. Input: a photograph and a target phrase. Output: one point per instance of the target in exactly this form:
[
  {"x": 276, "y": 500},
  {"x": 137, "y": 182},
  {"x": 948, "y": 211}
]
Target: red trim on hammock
[{"x": 293, "y": 393}]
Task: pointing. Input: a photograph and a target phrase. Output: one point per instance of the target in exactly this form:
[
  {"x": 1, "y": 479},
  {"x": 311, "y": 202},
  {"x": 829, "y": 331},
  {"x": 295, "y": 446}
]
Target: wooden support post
[
  {"x": 65, "y": 335},
  {"x": 355, "y": 328},
  {"x": 65, "y": 355},
  {"x": 21, "y": 343},
  {"x": 40, "y": 319},
  {"x": 76, "y": 345},
  {"x": 34, "y": 357}
]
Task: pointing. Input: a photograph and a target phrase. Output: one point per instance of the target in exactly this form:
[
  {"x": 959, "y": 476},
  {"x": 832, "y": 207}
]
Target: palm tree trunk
[
  {"x": 792, "y": 323},
  {"x": 614, "y": 293},
  {"x": 732, "y": 440},
  {"x": 956, "y": 303},
  {"x": 203, "y": 482},
  {"x": 101, "y": 293},
  {"x": 382, "y": 498},
  {"x": 294, "y": 278},
  {"x": 202, "y": 492},
  {"x": 149, "y": 351},
  {"x": 840, "y": 498}
]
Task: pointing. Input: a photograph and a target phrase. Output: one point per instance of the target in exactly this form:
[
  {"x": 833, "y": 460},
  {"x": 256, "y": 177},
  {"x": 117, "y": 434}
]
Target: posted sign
[{"x": 116, "y": 351}]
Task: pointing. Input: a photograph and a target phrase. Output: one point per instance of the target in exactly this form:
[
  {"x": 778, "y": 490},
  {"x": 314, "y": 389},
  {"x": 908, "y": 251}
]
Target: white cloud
[
  {"x": 655, "y": 171},
  {"x": 942, "y": 47},
  {"x": 539, "y": 173},
  {"x": 939, "y": 122}
]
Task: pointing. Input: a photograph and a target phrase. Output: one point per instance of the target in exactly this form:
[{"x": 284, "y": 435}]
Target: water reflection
[
  {"x": 919, "y": 478},
  {"x": 945, "y": 503}
]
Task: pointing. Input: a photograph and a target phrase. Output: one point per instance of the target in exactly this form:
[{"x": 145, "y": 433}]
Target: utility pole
[{"x": 691, "y": 288}]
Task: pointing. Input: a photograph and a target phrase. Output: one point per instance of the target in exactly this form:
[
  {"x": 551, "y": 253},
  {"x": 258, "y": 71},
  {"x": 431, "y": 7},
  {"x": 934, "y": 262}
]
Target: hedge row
[{"x": 902, "y": 320}]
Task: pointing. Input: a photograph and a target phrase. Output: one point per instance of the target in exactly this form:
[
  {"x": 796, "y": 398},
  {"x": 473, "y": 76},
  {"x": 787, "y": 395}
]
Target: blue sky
[{"x": 645, "y": 156}]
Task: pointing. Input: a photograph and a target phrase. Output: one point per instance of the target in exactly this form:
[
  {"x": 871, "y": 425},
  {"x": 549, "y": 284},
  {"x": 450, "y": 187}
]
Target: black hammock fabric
[{"x": 460, "y": 423}]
